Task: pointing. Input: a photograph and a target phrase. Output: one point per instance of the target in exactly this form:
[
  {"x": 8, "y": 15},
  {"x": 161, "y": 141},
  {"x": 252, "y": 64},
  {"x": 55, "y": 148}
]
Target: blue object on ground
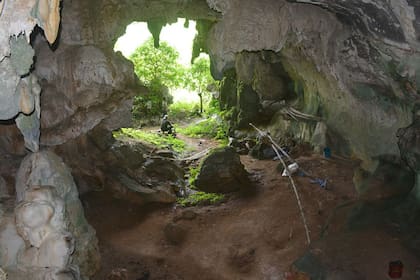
[
  {"x": 321, "y": 182},
  {"x": 327, "y": 152}
]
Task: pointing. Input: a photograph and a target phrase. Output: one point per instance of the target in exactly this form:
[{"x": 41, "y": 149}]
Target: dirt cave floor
[{"x": 255, "y": 236}]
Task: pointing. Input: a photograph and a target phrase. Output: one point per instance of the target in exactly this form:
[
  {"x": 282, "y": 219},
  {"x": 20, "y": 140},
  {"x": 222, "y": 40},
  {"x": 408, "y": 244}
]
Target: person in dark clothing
[{"x": 166, "y": 126}]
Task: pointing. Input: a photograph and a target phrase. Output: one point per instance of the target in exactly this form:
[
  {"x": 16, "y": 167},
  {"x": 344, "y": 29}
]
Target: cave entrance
[
  {"x": 168, "y": 61},
  {"x": 164, "y": 63}
]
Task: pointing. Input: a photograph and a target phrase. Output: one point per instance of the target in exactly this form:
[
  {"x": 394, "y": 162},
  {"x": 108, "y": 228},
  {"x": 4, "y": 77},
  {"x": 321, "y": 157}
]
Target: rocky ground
[{"x": 248, "y": 236}]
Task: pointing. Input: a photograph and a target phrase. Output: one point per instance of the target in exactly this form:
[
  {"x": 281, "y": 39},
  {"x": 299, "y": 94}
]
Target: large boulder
[{"x": 222, "y": 172}]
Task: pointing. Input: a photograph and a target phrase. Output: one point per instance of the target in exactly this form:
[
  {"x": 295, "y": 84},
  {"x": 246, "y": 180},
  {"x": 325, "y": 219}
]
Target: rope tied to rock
[{"x": 265, "y": 136}]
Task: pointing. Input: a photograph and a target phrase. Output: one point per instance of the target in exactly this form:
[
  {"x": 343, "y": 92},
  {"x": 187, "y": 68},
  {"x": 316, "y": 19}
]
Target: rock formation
[
  {"x": 47, "y": 235},
  {"x": 222, "y": 172},
  {"x": 352, "y": 66}
]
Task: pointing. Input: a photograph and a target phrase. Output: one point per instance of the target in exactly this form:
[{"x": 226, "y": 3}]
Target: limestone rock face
[
  {"x": 50, "y": 220},
  {"x": 352, "y": 64},
  {"x": 20, "y": 90},
  {"x": 409, "y": 144},
  {"x": 83, "y": 86},
  {"x": 128, "y": 170},
  {"x": 222, "y": 172}
]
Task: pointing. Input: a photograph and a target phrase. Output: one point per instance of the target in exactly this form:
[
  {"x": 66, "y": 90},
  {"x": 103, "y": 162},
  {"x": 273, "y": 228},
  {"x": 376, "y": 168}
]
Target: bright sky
[{"x": 176, "y": 35}]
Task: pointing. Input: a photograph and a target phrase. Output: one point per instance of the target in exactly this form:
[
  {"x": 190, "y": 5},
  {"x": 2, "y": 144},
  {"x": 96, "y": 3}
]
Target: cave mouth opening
[{"x": 178, "y": 78}]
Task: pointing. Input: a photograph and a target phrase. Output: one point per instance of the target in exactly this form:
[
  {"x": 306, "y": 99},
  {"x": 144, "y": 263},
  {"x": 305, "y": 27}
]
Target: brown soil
[{"x": 249, "y": 236}]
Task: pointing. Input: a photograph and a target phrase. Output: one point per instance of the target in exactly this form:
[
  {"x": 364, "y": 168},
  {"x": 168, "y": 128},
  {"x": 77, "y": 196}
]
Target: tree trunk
[{"x": 201, "y": 102}]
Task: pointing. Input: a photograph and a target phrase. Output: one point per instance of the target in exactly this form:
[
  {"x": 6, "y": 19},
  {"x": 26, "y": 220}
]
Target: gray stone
[
  {"x": 319, "y": 137},
  {"x": 4, "y": 192},
  {"x": 409, "y": 145},
  {"x": 60, "y": 235},
  {"x": 222, "y": 172}
]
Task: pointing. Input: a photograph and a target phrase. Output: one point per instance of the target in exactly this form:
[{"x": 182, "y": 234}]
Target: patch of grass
[
  {"x": 201, "y": 198},
  {"x": 193, "y": 172},
  {"x": 212, "y": 127},
  {"x": 159, "y": 140}
]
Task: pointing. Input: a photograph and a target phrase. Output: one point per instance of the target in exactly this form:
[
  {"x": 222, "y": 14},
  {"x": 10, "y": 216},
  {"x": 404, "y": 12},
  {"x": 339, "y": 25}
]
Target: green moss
[
  {"x": 201, "y": 198},
  {"x": 193, "y": 173},
  {"x": 161, "y": 141}
]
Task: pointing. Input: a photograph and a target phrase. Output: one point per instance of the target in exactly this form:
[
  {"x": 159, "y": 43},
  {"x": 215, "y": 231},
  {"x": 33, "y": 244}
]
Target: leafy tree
[
  {"x": 199, "y": 79},
  {"x": 159, "y": 70}
]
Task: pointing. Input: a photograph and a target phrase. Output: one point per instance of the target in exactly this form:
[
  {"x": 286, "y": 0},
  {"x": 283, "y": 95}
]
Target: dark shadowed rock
[
  {"x": 388, "y": 181},
  {"x": 222, "y": 172},
  {"x": 409, "y": 144}
]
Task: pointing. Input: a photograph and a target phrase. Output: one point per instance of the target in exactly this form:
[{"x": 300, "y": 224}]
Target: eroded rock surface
[
  {"x": 359, "y": 76},
  {"x": 47, "y": 235},
  {"x": 409, "y": 144},
  {"x": 20, "y": 89}
]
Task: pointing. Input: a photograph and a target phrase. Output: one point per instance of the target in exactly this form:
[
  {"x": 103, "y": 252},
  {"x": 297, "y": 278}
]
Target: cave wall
[
  {"x": 352, "y": 65},
  {"x": 356, "y": 64}
]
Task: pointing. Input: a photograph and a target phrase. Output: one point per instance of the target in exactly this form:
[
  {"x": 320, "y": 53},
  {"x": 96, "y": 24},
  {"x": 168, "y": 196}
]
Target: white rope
[{"x": 276, "y": 148}]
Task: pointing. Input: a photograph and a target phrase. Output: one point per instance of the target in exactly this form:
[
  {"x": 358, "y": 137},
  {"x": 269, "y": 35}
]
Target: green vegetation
[
  {"x": 212, "y": 127},
  {"x": 161, "y": 141},
  {"x": 183, "y": 110},
  {"x": 200, "y": 198},
  {"x": 159, "y": 70},
  {"x": 158, "y": 64},
  {"x": 199, "y": 79},
  {"x": 193, "y": 172}
]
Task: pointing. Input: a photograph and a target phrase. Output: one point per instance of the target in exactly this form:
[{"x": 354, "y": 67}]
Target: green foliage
[
  {"x": 193, "y": 173},
  {"x": 159, "y": 70},
  {"x": 183, "y": 110},
  {"x": 157, "y": 64},
  {"x": 213, "y": 127},
  {"x": 153, "y": 104},
  {"x": 201, "y": 198},
  {"x": 198, "y": 78},
  {"x": 161, "y": 141}
]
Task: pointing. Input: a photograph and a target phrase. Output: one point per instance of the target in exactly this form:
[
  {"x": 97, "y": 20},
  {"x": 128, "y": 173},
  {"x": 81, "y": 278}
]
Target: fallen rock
[{"x": 222, "y": 172}]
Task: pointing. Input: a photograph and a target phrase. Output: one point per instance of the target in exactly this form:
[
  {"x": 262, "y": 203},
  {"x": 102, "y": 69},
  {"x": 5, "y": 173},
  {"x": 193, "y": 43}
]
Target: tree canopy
[
  {"x": 157, "y": 65},
  {"x": 198, "y": 78},
  {"x": 160, "y": 71}
]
